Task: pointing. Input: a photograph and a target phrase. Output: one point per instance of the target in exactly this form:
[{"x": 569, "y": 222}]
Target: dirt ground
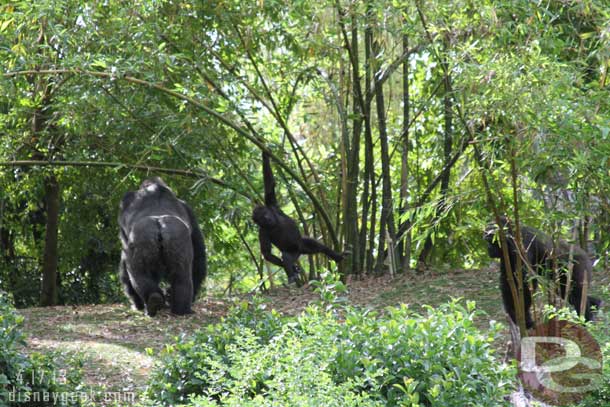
[{"x": 117, "y": 346}]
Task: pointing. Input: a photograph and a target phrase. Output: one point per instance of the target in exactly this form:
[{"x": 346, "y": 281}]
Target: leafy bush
[
  {"x": 599, "y": 329},
  {"x": 255, "y": 357},
  {"x": 439, "y": 360},
  {"x": 29, "y": 380},
  {"x": 16, "y": 277}
]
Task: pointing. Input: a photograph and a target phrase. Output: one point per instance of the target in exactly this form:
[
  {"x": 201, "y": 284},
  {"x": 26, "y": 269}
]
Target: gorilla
[
  {"x": 160, "y": 239},
  {"x": 543, "y": 258},
  {"x": 275, "y": 227}
]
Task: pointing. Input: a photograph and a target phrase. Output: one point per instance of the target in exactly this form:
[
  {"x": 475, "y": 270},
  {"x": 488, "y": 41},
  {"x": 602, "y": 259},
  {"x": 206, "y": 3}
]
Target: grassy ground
[{"x": 112, "y": 340}]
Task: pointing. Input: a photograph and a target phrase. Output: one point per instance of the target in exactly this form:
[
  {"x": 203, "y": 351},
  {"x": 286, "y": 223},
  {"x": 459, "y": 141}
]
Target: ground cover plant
[
  {"x": 33, "y": 379},
  {"x": 600, "y": 331},
  {"x": 331, "y": 355}
]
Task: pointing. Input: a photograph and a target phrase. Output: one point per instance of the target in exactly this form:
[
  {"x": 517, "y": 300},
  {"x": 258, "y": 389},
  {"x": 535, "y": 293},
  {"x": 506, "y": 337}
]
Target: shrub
[
  {"x": 255, "y": 357},
  {"x": 202, "y": 360},
  {"x": 29, "y": 380},
  {"x": 440, "y": 359},
  {"x": 599, "y": 329}
]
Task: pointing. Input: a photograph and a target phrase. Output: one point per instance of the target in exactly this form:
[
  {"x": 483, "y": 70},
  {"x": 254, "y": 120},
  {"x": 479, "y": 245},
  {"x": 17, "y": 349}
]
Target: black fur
[
  {"x": 160, "y": 239},
  {"x": 543, "y": 258},
  {"x": 278, "y": 229}
]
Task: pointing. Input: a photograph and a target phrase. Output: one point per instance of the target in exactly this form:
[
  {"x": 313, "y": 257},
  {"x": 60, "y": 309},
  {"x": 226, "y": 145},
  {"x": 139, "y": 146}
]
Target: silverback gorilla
[
  {"x": 160, "y": 239},
  {"x": 275, "y": 227},
  {"x": 542, "y": 257}
]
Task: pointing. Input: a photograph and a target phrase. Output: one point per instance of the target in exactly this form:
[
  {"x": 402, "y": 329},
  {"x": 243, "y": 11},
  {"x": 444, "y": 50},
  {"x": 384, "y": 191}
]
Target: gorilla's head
[
  {"x": 153, "y": 183},
  {"x": 490, "y": 234},
  {"x": 264, "y": 217}
]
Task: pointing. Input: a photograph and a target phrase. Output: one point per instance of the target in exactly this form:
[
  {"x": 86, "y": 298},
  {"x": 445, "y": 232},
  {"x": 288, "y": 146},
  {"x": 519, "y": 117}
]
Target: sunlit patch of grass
[
  {"x": 111, "y": 340},
  {"x": 477, "y": 285},
  {"x": 107, "y": 366}
]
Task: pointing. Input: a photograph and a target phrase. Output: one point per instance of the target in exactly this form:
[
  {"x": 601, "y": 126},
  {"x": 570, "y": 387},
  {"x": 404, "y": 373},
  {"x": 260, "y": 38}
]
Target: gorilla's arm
[
  {"x": 123, "y": 232},
  {"x": 199, "y": 253},
  {"x": 270, "y": 198},
  {"x": 127, "y": 200},
  {"x": 136, "y": 300},
  {"x": 508, "y": 271},
  {"x": 580, "y": 277}
]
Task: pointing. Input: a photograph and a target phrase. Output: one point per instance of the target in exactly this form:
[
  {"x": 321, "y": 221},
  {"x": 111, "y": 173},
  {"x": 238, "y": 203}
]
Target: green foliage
[
  {"x": 16, "y": 277},
  {"x": 329, "y": 288},
  {"x": 255, "y": 357},
  {"x": 194, "y": 85},
  {"x": 451, "y": 361},
  {"x": 24, "y": 379},
  {"x": 601, "y": 333}
]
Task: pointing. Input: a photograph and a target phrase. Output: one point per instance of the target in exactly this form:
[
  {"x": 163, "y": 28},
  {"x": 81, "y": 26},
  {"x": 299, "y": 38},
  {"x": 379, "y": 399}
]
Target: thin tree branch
[
  {"x": 242, "y": 132},
  {"x": 384, "y": 75},
  {"x": 147, "y": 168},
  {"x": 275, "y": 112}
]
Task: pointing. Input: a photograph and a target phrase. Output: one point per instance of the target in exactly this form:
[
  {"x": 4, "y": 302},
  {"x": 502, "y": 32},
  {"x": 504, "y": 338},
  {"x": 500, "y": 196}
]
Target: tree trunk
[
  {"x": 7, "y": 239},
  {"x": 404, "y": 242},
  {"x": 447, "y": 152},
  {"x": 369, "y": 205},
  {"x": 386, "y": 221},
  {"x": 48, "y": 294},
  {"x": 350, "y": 214}
]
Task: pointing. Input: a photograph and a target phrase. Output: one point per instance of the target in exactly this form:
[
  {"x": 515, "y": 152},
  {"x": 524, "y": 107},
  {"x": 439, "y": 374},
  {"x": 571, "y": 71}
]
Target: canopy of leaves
[{"x": 104, "y": 90}]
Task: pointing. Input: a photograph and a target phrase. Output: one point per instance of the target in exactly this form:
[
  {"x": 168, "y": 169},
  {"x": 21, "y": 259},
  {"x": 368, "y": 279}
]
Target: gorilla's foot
[
  {"x": 184, "y": 312},
  {"x": 296, "y": 279},
  {"x": 337, "y": 257},
  {"x": 293, "y": 278},
  {"x": 154, "y": 304},
  {"x": 137, "y": 307}
]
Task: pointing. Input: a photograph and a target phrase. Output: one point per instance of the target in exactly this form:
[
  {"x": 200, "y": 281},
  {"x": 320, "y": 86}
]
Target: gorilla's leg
[
  {"x": 289, "y": 262},
  {"x": 182, "y": 290},
  {"x": 129, "y": 290},
  {"x": 509, "y": 303},
  {"x": 145, "y": 264},
  {"x": 581, "y": 277},
  {"x": 527, "y": 300},
  {"x": 146, "y": 283},
  {"x": 575, "y": 299},
  {"x": 177, "y": 256},
  {"x": 590, "y": 312},
  {"x": 311, "y": 246}
]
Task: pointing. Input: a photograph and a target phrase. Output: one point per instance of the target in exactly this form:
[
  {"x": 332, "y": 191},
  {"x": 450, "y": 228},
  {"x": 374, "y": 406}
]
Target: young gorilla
[
  {"x": 542, "y": 258},
  {"x": 275, "y": 227},
  {"x": 160, "y": 238}
]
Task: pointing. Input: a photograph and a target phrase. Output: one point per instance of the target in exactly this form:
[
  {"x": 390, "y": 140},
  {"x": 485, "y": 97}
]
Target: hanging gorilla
[
  {"x": 160, "y": 239},
  {"x": 275, "y": 227},
  {"x": 543, "y": 258}
]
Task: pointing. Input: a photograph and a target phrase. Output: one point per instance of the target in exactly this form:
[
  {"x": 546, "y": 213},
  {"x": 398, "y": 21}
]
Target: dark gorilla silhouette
[
  {"x": 160, "y": 239},
  {"x": 276, "y": 228},
  {"x": 543, "y": 259}
]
